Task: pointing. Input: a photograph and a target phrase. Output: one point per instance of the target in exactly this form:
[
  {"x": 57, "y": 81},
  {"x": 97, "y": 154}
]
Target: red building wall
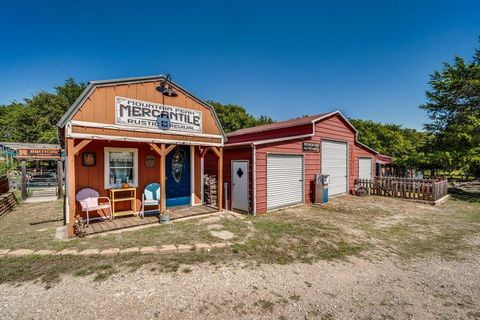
[
  {"x": 362, "y": 152},
  {"x": 244, "y": 153},
  {"x": 333, "y": 128}
]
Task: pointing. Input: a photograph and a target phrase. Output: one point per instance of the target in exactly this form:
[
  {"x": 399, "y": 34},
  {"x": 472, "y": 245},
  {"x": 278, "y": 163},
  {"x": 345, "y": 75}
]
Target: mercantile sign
[{"x": 145, "y": 114}]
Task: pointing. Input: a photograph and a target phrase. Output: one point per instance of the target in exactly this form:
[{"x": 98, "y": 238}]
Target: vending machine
[{"x": 321, "y": 188}]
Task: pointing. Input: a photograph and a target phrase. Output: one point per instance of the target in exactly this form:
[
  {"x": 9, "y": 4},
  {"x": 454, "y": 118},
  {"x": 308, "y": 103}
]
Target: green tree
[
  {"x": 234, "y": 117},
  {"x": 404, "y": 144},
  {"x": 34, "y": 120},
  {"x": 453, "y": 106}
]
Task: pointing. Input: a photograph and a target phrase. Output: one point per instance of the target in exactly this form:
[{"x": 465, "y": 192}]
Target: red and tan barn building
[{"x": 273, "y": 166}]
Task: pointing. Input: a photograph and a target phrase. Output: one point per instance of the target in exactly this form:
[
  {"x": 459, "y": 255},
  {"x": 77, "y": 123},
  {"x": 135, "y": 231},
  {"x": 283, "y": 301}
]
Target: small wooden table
[{"x": 127, "y": 194}]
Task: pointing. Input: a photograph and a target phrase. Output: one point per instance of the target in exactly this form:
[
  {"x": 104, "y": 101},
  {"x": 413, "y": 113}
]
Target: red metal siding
[
  {"x": 332, "y": 128},
  {"x": 273, "y": 134},
  {"x": 335, "y": 128},
  {"x": 244, "y": 153},
  {"x": 362, "y": 152}
]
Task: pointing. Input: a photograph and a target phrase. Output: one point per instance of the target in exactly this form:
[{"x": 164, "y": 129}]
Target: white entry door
[
  {"x": 284, "y": 180},
  {"x": 365, "y": 168},
  {"x": 240, "y": 185},
  {"x": 334, "y": 163}
]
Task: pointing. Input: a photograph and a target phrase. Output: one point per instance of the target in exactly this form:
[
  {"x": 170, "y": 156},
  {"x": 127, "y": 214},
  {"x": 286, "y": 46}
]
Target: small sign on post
[{"x": 38, "y": 154}]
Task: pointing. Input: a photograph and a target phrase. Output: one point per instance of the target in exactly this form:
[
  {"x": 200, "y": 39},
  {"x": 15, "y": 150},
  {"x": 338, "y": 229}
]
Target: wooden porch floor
[{"x": 133, "y": 221}]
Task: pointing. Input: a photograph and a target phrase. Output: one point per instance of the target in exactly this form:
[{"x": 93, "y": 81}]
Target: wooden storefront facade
[{"x": 161, "y": 138}]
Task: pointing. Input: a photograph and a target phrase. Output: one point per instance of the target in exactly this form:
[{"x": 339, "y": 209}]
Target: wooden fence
[{"x": 417, "y": 189}]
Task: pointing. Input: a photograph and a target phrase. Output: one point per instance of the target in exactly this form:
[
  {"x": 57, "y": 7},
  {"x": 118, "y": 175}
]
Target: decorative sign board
[
  {"x": 150, "y": 161},
  {"x": 311, "y": 146},
  {"x": 38, "y": 154},
  {"x": 150, "y": 115}
]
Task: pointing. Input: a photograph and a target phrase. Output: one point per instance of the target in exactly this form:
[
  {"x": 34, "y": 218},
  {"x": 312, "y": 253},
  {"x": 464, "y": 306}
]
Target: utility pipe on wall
[{"x": 225, "y": 186}]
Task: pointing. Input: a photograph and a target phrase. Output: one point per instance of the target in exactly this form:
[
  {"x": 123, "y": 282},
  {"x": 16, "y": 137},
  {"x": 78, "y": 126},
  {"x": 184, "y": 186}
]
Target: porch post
[
  {"x": 71, "y": 185},
  {"x": 163, "y": 200},
  {"x": 24, "y": 180},
  {"x": 59, "y": 179},
  {"x": 220, "y": 179}
]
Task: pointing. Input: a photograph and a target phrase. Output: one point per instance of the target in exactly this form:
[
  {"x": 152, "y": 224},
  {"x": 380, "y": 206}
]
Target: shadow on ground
[{"x": 470, "y": 196}]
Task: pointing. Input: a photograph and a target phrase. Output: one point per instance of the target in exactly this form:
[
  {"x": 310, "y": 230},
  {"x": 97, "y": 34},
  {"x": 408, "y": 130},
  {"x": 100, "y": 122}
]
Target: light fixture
[{"x": 166, "y": 87}]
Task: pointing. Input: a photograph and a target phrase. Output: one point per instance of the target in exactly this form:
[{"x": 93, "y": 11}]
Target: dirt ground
[
  {"x": 355, "y": 289},
  {"x": 416, "y": 262}
]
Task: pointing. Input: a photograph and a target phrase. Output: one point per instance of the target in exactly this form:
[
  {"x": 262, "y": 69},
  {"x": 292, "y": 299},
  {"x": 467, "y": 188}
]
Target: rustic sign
[
  {"x": 311, "y": 146},
  {"x": 144, "y": 114},
  {"x": 38, "y": 154}
]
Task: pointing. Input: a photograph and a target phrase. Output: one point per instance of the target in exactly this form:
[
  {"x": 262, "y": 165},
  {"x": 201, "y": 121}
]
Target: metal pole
[
  {"x": 24, "y": 180},
  {"x": 226, "y": 195}
]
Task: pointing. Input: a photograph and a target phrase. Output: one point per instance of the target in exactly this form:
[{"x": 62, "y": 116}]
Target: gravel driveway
[{"x": 353, "y": 289}]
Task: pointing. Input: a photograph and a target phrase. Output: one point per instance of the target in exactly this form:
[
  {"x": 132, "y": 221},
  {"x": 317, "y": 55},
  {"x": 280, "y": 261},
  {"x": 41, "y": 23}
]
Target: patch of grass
[
  {"x": 444, "y": 232},
  {"x": 348, "y": 226},
  {"x": 48, "y": 269},
  {"x": 101, "y": 271},
  {"x": 282, "y": 239},
  {"x": 33, "y": 226}
]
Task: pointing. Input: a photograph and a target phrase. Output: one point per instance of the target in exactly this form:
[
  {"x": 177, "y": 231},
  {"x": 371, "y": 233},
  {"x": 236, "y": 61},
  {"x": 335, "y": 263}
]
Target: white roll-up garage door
[
  {"x": 334, "y": 163},
  {"x": 365, "y": 168},
  {"x": 284, "y": 180}
]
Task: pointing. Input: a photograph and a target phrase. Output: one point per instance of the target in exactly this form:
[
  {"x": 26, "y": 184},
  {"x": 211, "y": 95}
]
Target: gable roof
[
  {"x": 290, "y": 123},
  {"x": 92, "y": 85},
  {"x": 280, "y": 125}
]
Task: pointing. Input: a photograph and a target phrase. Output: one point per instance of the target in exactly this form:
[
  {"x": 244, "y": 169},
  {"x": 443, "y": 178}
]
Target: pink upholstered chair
[{"x": 88, "y": 199}]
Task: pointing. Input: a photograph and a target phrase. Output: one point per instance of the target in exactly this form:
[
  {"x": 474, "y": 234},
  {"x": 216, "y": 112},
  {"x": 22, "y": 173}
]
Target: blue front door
[{"x": 178, "y": 177}]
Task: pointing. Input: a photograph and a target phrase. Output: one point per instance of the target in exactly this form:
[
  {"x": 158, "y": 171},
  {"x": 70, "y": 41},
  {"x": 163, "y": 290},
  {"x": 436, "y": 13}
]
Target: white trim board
[
  {"x": 137, "y": 129},
  {"x": 131, "y": 139}
]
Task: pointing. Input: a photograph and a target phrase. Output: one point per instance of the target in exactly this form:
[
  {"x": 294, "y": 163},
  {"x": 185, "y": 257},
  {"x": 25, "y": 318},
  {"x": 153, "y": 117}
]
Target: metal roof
[
  {"x": 287, "y": 124},
  {"x": 20, "y": 145},
  {"x": 280, "y": 125},
  {"x": 98, "y": 83}
]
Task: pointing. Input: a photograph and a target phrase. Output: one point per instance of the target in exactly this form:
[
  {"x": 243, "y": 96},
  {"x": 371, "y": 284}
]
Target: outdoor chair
[
  {"x": 151, "y": 197},
  {"x": 88, "y": 199}
]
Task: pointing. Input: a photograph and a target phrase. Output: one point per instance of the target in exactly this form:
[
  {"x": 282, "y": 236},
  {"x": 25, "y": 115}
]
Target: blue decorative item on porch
[
  {"x": 151, "y": 197},
  {"x": 178, "y": 162}
]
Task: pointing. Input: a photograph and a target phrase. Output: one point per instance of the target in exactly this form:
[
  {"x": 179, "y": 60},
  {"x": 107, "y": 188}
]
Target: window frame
[{"x": 106, "y": 167}]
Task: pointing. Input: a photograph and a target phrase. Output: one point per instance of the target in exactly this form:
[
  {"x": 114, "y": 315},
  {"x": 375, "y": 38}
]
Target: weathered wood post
[
  {"x": 24, "y": 179},
  {"x": 59, "y": 179}
]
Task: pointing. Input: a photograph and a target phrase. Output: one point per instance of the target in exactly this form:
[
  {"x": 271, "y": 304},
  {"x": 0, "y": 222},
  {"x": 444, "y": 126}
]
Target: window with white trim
[{"x": 121, "y": 166}]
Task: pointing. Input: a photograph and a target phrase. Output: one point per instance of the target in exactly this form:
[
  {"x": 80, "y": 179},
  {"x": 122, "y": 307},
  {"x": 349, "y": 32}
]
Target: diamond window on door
[{"x": 240, "y": 172}]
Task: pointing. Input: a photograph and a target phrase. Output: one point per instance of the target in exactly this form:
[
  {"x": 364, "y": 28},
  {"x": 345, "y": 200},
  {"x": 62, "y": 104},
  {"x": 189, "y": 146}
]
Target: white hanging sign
[{"x": 144, "y": 114}]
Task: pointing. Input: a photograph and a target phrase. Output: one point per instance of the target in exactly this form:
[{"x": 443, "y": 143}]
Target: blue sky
[{"x": 369, "y": 59}]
